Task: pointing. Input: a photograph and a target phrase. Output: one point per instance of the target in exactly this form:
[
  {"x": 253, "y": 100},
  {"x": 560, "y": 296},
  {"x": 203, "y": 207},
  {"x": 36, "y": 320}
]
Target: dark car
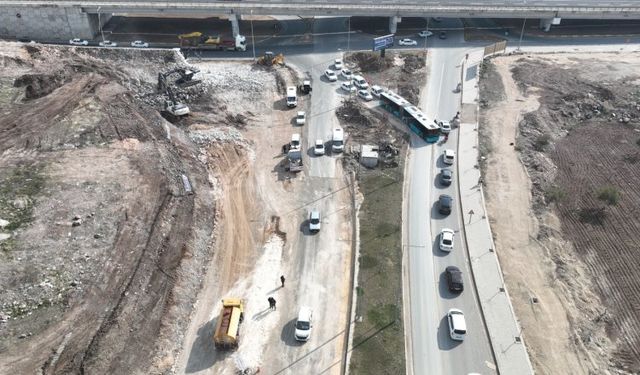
[
  {"x": 442, "y": 35},
  {"x": 445, "y": 202},
  {"x": 454, "y": 279},
  {"x": 446, "y": 176}
]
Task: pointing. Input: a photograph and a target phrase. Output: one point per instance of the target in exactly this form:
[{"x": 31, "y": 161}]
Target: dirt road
[
  {"x": 556, "y": 112},
  {"x": 265, "y": 226}
]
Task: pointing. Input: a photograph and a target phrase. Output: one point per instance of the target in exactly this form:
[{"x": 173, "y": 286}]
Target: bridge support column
[
  {"x": 393, "y": 23},
  {"x": 235, "y": 24},
  {"x": 545, "y": 23},
  {"x": 49, "y": 23}
]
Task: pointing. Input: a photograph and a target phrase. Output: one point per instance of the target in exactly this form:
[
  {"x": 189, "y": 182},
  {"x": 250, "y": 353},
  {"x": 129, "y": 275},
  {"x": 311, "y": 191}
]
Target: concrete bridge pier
[
  {"x": 235, "y": 24},
  {"x": 545, "y": 23},
  {"x": 393, "y": 23}
]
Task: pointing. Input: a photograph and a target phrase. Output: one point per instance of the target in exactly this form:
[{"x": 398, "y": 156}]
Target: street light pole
[
  {"x": 521, "y": 33},
  {"x": 100, "y": 24},
  {"x": 253, "y": 39},
  {"x": 349, "y": 34}
]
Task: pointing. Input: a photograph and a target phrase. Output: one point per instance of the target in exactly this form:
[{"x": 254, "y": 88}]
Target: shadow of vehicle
[
  {"x": 445, "y": 342},
  {"x": 203, "y": 353},
  {"x": 286, "y": 335}
]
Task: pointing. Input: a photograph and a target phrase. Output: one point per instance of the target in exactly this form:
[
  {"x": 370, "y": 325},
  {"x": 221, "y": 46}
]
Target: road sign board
[{"x": 382, "y": 42}]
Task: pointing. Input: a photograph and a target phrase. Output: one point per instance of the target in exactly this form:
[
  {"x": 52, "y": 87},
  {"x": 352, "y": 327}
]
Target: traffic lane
[
  {"x": 475, "y": 348},
  {"x": 421, "y": 276}
]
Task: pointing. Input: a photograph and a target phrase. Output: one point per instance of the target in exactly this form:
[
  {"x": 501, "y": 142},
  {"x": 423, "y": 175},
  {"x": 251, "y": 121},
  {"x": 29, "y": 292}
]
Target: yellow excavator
[{"x": 269, "y": 59}]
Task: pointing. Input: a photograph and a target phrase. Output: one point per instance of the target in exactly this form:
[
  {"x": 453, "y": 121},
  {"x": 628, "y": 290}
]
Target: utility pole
[
  {"x": 521, "y": 33},
  {"x": 253, "y": 39},
  {"x": 100, "y": 24}
]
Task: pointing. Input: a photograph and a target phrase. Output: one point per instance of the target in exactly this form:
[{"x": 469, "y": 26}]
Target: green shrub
[
  {"x": 609, "y": 194},
  {"x": 541, "y": 142},
  {"x": 555, "y": 194}
]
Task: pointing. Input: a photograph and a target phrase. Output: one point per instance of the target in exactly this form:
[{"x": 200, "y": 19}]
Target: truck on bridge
[{"x": 198, "y": 40}]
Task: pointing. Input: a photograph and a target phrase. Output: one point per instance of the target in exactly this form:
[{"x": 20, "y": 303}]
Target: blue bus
[{"x": 410, "y": 115}]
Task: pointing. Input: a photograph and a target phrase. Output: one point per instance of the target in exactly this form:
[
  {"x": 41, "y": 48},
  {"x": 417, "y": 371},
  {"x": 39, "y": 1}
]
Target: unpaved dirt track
[
  {"x": 271, "y": 206},
  {"x": 78, "y": 298},
  {"x": 584, "y": 276}
]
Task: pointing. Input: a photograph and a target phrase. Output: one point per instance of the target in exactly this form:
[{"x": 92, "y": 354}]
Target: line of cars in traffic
[{"x": 107, "y": 43}]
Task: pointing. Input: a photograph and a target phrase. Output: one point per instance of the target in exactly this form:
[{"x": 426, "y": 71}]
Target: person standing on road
[
  {"x": 282, "y": 280},
  {"x": 272, "y": 303}
]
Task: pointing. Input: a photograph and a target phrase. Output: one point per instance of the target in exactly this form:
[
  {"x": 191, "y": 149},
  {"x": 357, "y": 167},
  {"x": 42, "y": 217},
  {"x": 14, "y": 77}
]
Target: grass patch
[
  {"x": 378, "y": 345},
  {"x": 609, "y": 195},
  {"x": 555, "y": 194},
  {"x": 18, "y": 189}
]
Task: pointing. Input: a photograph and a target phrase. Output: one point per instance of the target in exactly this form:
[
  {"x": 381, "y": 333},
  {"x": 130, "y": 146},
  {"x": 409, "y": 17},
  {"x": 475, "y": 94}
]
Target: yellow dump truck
[{"x": 227, "y": 331}]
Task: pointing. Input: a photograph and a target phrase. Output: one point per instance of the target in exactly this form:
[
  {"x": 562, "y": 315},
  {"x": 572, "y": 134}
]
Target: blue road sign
[{"x": 383, "y": 42}]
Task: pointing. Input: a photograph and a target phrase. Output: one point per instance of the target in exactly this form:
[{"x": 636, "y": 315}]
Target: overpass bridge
[{"x": 64, "y": 19}]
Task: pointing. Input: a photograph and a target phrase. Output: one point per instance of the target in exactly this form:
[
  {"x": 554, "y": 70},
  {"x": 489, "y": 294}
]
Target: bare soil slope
[
  {"x": 99, "y": 232},
  {"x": 572, "y": 267}
]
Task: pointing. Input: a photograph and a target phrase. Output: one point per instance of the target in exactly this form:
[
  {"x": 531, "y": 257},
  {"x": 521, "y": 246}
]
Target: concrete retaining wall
[{"x": 48, "y": 23}]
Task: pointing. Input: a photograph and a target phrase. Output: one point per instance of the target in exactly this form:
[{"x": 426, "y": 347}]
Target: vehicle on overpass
[
  {"x": 410, "y": 115},
  {"x": 198, "y": 40}
]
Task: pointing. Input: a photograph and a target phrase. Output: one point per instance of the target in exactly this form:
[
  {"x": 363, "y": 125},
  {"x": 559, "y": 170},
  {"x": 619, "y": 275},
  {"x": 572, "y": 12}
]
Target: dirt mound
[
  {"x": 39, "y": 85},
  {"x": 370, "y": 62},
  {"x": 104, "y": 235}
]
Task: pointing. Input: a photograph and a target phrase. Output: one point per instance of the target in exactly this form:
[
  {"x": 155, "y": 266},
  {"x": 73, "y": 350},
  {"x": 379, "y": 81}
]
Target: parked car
[
  {"x": 445, "y": 127},
  {"x": 314, "y": 221},
  {"x": 407, "y": 42},
  {"x": 108, "y": 43},
  {"x": 331, "y": 75},
  {"x": 337, "y": 64},
  {"x": 346, "y": 74},
  {"x": 376, "y": 91},
  {"x": 446, "y": 239},
  {"x": 303, "y": 324},
  {"x": 454, "y": 279},
  {"x": 301, "y": 118},
  {"x": 442, "y": 35},
  {"x": 446, "y": 176},
  {"x": 457, "y": 324},
  {"x": 318, "y": 149},
  {"x": 360, "y": 82},
  {"x": 139, "y": 44},
  {"x": 348, "y": 87},
  {"x": 445, "y": 203},
  {"x": 425, "y": 33},
  {"x": 449, "y": 156},
  {"x": 78, "y": 42},
  {"x": 364, "y": 94}
]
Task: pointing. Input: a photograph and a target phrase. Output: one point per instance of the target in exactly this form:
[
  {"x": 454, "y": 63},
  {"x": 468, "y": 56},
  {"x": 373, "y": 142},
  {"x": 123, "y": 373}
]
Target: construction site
[{"x": 138, "y": 192}]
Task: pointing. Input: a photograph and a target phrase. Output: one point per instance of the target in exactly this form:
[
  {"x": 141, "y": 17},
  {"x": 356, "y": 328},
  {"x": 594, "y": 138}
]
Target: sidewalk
[{"x": 504, "y": 331}]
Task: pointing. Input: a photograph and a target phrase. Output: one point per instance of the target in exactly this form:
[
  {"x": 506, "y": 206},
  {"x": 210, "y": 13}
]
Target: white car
[
  {"x": 445, "y": 127},
  {"x": 364, "y": 94},
  {"x": 108, "y": 43},
  {"x": 407, "y": 42},
  {"x": 139, "y": 44},
  {"x": 318, "y": 149},
  {"x": 314, "y": 221},
  {"x": 331, "y": 75},
  {"x": 446, "y": 239},
  {"x": 346, "y": 74},
  {"x": 449, "y": 156},
  {"x": 348, "y": 87},
  {"x": 78, "y": 42},
  {"x": 425, "y": 33},
  {"x": 457, "y": 324},
  {"x": 303, "y": 324},
  {"x": 337, "y": 64},
  {"x": 301, "y": 118},
  {"x": 376, "y": 91}
]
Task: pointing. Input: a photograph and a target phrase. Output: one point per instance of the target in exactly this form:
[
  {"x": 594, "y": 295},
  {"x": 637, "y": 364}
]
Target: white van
[
  {"x": 457, "y": 324},
  {"x": 303, "y": 324},
  {"x": 337, "y": 140},
  {"x": 376, "y": 91},
  {"x": 360, "y": 82},
  {"x": 292, "y": 100},
  {"x": 295, "y": 141}
]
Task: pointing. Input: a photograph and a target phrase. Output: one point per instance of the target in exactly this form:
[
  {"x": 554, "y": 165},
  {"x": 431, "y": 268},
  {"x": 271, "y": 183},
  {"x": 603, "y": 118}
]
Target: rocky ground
[
  {"x": 572, "y": 264},
  {"x": 108, "y": 211}
]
